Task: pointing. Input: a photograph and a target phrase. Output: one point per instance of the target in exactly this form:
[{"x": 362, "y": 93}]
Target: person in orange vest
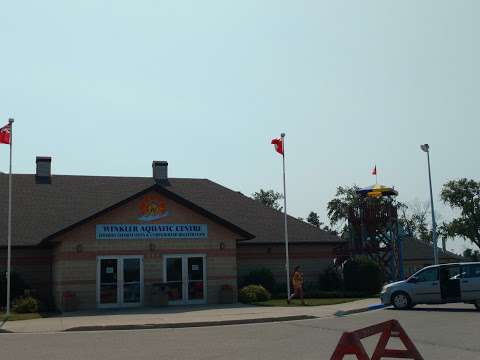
[{"x": 297, "y": 282}]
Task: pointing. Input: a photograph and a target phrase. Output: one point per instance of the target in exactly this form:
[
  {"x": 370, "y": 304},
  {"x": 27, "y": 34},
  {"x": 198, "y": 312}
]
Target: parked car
[{"x": 437, "y": 284}]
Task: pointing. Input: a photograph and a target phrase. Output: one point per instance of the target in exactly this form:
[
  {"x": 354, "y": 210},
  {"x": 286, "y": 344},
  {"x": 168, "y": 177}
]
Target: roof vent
[
  {"x": 160, "y": 170},
  {"x": 44, "y": 169}
]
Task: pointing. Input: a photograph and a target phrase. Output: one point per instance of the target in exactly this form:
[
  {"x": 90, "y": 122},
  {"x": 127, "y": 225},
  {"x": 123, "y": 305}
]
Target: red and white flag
[
  {"x": 5, "y": 134},
  {"x": 278, "y": 143},
  {"x": 374, "y": 171}
]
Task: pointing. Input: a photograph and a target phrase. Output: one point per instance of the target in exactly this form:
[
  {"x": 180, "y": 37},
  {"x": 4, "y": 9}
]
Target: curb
[
  {"x": 1, "y": 326},
  {"x": 190, "y": 324},
  {"x": 359, "y": 310}
]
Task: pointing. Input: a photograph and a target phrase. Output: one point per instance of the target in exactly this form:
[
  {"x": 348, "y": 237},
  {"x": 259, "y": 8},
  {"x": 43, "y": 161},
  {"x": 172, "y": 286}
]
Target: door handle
[
  {"x": 434, "y": 283},
  {"x": 465, "y": 281}
]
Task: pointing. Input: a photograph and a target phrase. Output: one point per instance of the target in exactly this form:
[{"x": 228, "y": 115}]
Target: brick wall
[{"x": 312, "y": 258}]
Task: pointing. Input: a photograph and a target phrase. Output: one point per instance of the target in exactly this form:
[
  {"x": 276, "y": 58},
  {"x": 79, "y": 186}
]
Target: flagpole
[
  {"x": 287, "y": 262},
  {"x": 9, "y": 244}
]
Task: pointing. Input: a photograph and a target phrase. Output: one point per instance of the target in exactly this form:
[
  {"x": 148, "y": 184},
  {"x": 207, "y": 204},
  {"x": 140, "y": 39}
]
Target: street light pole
[
  {"x": 475, "y": 197},
  {"x": 426, "y": 148}
]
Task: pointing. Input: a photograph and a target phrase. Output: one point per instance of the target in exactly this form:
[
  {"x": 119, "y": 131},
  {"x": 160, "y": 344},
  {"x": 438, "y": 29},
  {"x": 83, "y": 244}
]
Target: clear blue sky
[{"x": 105, "y": 87}]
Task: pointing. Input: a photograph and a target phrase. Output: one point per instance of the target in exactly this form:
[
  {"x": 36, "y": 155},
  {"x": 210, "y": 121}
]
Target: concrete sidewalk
[{"x": 179, "y": 316}]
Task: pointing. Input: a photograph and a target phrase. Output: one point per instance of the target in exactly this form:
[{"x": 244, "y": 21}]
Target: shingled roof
[
  {"x": 41, "y": 210},
  {"x": 414, "y": 249}
]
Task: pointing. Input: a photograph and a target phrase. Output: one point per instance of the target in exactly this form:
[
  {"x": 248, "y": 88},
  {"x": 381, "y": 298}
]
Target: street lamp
[
  {"x": 426, "y": 148},
  {"x": 475, "y": 198}
]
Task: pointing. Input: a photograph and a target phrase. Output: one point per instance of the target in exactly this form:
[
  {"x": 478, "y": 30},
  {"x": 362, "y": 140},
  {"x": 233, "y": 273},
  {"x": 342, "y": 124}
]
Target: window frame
[
  {"x": 466, "y": 271},
  {"x": 417, "y": 275}
]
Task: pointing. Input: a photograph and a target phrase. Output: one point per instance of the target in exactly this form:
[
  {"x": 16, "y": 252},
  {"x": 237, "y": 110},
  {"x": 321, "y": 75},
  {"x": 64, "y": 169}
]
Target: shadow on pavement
[
  {"x": 440, "y": 309},
  {"x": 151, "y": 310}
]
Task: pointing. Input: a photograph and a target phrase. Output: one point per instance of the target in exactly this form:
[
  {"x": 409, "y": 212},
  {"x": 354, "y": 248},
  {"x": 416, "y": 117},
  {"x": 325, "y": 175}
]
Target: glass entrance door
[
  {"x": 120, "y": 281},
  {"x": 196, "y": 279},
  {"x": 132, "y": 281},
  {"x": 174, "y": 279},
  {"x": 185, "y": 276},
  {"x": 108, "y": 292}
]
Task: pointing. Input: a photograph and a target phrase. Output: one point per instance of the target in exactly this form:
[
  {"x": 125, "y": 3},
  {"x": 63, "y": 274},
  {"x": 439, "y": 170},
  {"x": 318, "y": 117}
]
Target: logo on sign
[{"x": 152, "y": 207}]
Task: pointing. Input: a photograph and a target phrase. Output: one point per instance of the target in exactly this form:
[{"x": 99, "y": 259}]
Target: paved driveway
[{"x": 440, "y": 333}]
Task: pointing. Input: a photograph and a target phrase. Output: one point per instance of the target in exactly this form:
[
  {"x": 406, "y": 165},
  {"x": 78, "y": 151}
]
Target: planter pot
[{"x": 159, "y": 294}]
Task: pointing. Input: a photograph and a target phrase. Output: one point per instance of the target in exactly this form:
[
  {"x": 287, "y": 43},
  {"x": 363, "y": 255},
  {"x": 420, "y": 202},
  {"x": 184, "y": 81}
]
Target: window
[
  {"x": 428, "y": 275},
  {"x": 471, "y": 271},
  {"x": 450, "y": 272}
]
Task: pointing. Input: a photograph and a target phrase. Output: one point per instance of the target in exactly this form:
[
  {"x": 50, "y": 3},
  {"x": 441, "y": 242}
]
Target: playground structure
[{"x": 374, "y": 231}]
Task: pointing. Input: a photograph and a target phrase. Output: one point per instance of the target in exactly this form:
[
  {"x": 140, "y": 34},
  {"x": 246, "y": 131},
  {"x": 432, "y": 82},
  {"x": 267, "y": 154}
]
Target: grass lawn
[
  {"x": 308, "y": 302},
  {"x": 15, "y": 316}
]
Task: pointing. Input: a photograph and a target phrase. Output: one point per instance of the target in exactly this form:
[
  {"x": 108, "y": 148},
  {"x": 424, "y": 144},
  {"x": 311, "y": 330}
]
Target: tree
[
  {"x": 414, "y": 220},
  {"x": 472, "y": 255},
  {"x": 337, "y": 208},
  {"x": 363, "y": 275},
  {"x": 463, "y": 195},
  {"x": 269, "y": 198},
  {"x": 313, "y": 219},
  {"x": 328, "y": 229}
]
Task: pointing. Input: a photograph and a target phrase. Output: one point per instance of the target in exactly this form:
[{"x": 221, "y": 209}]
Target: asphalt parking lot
[{"x": 439, "y": 332}]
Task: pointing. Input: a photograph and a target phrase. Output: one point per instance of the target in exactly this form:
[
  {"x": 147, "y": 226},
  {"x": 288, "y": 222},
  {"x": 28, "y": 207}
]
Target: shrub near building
[
  {"x": 362, "y": 275},
  {"x": 262, "y": 277},
  {"x": 26, "y": 304},
  {"x": 330, "y": 280},
  {"x": 17, "y": 287},
  {"x": 253, "y": 293}
]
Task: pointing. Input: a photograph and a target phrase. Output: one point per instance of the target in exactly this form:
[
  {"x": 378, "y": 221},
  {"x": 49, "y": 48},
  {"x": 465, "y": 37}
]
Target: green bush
[
  {"x": 253, "y": 293},
  {"x": 262, "y": 277},
  {"x": 363, "y": 275},
  {"x": 330, "y": 280},
  {"x": 351, "y": 275},
  {"x": 26, "y": 304},
  {"x": 374, "y": 277},
  {"x": 17, "y": 287}
]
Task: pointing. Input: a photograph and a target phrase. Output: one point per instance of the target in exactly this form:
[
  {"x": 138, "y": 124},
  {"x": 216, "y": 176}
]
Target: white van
[{"x": 437, "y": 284}]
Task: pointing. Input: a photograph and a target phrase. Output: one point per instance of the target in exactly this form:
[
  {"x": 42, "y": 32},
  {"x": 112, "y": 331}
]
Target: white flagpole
[
  {"x": 9, "y": 244},
  {"x": 287, "y": 262}
]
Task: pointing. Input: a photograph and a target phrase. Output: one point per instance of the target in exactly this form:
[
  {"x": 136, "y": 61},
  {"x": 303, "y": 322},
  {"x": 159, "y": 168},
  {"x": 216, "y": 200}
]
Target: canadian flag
[
  {"x": 278, "y": 143},
  {"x": 5, "y": 134}
]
